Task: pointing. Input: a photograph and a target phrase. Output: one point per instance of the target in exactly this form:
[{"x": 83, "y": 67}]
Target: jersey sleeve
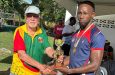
[
  {"x": 18, "y": 42},
  {"x": 98, "y": 42}
]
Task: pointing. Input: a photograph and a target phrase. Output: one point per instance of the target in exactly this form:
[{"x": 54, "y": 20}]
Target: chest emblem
[{"x": 40, "y": 39}]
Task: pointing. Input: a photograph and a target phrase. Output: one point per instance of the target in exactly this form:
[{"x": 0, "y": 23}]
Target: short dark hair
[
  {"x": 73, "y": 18},
  {"x": 88, "y": 3}
]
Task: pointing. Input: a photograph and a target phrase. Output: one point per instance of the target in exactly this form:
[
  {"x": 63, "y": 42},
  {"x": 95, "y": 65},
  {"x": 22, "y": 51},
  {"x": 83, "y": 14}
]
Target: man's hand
[
  {"x": 48, "y": 70},
  {"x": 60, "y": 58},
  {"x": 64, "y": 69}
]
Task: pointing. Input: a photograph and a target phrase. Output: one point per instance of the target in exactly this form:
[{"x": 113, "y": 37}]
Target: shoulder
[
  {"x": 20, "y": 30},
  {"x": 96, "y": 34},
  {"x": 17, "y": 29},
  {"x": 43, "y": 30},
  {"x": 66, "y": 26}
]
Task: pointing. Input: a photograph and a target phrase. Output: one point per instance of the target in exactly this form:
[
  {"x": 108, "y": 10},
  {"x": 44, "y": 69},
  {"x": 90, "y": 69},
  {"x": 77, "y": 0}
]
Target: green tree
[{"x": 50, "y": 10}]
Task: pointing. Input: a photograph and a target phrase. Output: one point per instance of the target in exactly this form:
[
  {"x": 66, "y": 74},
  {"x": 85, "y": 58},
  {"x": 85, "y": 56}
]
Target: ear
[{"x": 93, "y": 14}]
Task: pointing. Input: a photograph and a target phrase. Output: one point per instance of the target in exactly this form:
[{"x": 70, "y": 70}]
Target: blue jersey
[{"x": 92, "y": 39}]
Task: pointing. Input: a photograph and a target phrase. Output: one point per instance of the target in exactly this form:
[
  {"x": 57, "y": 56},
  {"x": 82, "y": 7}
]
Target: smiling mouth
[{"x": 32, "y": 22}]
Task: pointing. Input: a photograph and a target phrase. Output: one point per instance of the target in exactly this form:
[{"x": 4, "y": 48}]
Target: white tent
[{"x": 103, "y": 7}]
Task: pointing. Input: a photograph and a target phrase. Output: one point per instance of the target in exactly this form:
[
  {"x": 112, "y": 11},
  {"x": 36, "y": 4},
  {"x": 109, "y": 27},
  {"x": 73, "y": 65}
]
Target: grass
[
  {"x": 6, "y": 39},
  {"x": 6, "y": 43}
]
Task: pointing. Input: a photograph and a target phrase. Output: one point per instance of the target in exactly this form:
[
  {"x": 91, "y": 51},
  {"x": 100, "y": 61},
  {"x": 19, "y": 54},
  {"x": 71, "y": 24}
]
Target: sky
[{"x": 27, "y": 1}]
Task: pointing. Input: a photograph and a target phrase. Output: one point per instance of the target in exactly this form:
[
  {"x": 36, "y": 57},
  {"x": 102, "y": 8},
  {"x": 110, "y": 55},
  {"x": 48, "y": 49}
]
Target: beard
[
  {"x": 83, "y": 24},
  {"x": 32, "y": 25}
]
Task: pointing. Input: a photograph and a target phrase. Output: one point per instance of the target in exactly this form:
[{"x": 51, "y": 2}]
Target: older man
[{"x": 31, "y": 46}]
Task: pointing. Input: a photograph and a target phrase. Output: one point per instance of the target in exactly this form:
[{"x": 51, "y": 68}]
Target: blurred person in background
[
  {"x": 108, "y": 51},
  {"x": 67, "y": 33},
  {"x": 58, "y": 31}
]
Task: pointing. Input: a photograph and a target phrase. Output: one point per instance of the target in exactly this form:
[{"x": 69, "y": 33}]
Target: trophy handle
[{"x": 55, "y": 62}]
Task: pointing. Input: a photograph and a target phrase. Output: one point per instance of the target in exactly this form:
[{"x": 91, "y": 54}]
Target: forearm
[
  {"x": 85, "y": 69},
  {"x": 95, "y": 61},
  {"x": 50, "y": 52},
  {"x": 23, "y": 56},
  {"x": 66, "y": 61}
]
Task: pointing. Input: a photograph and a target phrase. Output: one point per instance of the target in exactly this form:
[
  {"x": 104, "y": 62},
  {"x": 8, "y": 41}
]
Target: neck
[
  {"x": 31, "y": 31},
  {"x": 88, "y": 25},
  {"x": 85, "y": 27}
]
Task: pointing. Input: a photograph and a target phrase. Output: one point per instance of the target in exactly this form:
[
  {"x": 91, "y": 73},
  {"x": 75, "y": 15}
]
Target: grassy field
[
  {"x": 6, "y": 39},
  {"x": 5, "y": 57},
  {"x": 6, "y": 44}
]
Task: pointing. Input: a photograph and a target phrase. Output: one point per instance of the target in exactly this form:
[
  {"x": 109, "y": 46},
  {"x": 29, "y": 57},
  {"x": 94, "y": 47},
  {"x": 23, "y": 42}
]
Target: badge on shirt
[{"x": 40, "y": 39}]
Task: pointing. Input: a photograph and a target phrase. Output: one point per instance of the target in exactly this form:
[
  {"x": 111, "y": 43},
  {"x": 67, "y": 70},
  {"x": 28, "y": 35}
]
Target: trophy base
[{"x": 58, "y": 64}]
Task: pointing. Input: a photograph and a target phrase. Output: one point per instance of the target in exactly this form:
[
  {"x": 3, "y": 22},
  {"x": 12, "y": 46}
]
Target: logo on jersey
[{"x": 40, "y": 39}]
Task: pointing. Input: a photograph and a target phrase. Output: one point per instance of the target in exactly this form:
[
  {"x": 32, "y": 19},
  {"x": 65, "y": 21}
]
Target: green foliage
[
  {"x": 11, "y": 6},
  {"x": 50, "y": 10}
]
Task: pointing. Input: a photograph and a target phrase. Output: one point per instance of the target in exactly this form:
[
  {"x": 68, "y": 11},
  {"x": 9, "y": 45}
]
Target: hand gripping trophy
[{"x": 59, "y": 52}]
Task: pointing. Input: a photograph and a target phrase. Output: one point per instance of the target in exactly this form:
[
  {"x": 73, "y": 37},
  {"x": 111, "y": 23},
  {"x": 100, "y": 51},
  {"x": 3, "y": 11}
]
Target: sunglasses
[{"x": 29, "y": 15}]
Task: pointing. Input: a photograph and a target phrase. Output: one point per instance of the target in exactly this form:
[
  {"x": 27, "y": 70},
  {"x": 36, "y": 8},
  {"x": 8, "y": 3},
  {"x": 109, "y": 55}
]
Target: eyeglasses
[{"x": 29, "y": 15}]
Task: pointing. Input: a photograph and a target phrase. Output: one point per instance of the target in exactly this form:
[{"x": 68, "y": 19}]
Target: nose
[
  {"x": 32, "y": 18},
  {"x": 81, "y": 16}
]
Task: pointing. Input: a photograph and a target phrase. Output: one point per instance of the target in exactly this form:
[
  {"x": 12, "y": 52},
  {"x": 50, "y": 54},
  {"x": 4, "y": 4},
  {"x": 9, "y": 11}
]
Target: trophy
[{"x": 59, "y": 52}]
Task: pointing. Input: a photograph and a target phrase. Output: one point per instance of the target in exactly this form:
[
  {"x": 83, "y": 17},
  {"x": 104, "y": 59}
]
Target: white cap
[{"x": 32, "y": 9}]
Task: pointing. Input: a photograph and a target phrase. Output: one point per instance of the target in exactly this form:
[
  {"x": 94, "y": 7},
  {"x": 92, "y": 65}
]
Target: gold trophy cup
[{"x": 59, "y": 52}]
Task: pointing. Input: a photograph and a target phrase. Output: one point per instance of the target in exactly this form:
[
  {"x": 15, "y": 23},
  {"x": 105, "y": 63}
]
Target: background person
[
  {"x": 108, "y": 51},
  {"x": 58, "y": 31},
  {"x": 67, "y": 32}
]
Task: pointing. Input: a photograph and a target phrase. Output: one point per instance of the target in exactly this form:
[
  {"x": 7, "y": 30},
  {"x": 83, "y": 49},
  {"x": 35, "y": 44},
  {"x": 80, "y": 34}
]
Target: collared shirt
[
  {"x": 33, "y": 45},
  {"x": 58, "y": 31},
  {"x": 92, "y": 39},
  {"x": 68, "y": 29}
]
